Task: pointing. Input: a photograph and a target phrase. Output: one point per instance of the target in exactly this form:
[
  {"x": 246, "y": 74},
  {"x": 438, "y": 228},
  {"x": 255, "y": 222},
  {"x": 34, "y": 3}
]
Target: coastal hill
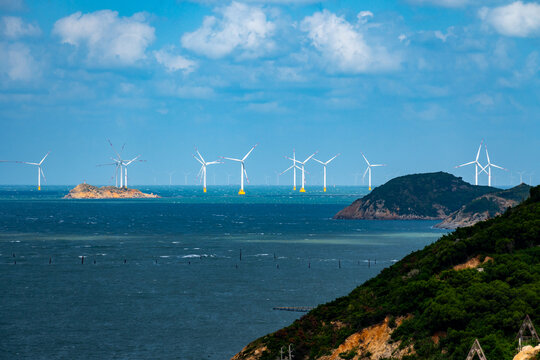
[
  {"x": 485, "y": 207},
  {"x": 86, "y": 191},
  {"x": 476, "y": 282},
  {"x": 426, "y": 196}
]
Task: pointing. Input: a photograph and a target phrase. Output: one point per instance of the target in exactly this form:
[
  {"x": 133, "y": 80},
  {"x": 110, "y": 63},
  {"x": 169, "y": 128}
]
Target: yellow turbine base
[
  {"x": 302, "y": 190},
  {"x": 204, "y": 189},
  {"x": 294, "y": 188},
  {"x": 370, "y": 188},
  {"x": 241, "y": 192},
  {"x": 324, "y": 189},
  {"x": 39, "y": 188}
]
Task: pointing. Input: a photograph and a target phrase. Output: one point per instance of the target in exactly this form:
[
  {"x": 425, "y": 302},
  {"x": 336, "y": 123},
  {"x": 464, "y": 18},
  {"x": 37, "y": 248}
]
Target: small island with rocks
[{"x": 86, "y": 191}]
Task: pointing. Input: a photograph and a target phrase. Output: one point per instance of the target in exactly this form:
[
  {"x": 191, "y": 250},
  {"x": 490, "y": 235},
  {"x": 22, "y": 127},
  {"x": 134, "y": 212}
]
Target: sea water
[{"x": 187, "y": 276}]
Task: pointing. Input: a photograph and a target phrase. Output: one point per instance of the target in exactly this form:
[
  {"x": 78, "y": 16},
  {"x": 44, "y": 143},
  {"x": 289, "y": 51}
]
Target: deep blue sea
[{"x": 188, "y": 276}]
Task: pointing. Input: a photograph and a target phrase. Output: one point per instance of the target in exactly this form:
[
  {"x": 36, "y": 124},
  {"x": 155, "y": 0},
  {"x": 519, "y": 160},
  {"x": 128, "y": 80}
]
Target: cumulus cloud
[
  {"x": 174, "y": 62},
  {"x": 442, "y": 3},
  {"x": 13, "y": 27},
  {"x": 343, "y": 46},
  {"x": 17, "y": 62},
  {"x": 109, "y": 39},
  {"x": 516, "y": 19},
  {"x": 239, "y": 27}
]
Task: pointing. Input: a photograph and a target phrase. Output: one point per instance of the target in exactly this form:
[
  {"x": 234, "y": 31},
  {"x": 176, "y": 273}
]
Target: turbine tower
[
  {"x": 126, "y": 163},
  {"x": 39, "y": 169},
  {"x": 242, "y": 169},
  {"x": 368, "y": 169},
  {"x": 204, "y": 164},
  {"x": 489, "y": 165},
  {"x": 324, "y": 164},
  {"x": 294, "y": 167},
  {"x": 476, "y": 164},
  {"x": 303, "y": 163}
]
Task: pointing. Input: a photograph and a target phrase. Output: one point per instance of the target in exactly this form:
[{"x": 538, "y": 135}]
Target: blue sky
[{"x": 414, "y": 84}]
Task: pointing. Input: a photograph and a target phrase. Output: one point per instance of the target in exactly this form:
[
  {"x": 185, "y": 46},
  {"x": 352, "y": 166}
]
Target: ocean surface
[{"x": 188, "y": 276}]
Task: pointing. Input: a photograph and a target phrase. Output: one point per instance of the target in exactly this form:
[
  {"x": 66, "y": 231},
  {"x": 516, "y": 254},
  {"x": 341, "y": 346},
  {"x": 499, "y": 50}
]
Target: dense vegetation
[
  {"x": 459, "y": 306},
  {"x": 429, "y": 195},
  {"x": 490, "y": 204}
]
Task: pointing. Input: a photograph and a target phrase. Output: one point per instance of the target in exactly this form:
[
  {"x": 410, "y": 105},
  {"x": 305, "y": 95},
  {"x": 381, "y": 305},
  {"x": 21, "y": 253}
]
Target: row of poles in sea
[{"x": 83, "y": 258}]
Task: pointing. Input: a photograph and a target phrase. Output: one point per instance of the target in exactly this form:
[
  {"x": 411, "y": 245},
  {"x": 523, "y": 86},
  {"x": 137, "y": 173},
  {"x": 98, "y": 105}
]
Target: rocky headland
[
  {"x": 428, "y": 196},
  {"x": 86, "y": 191},
  {"x": 485, "y": 207}
]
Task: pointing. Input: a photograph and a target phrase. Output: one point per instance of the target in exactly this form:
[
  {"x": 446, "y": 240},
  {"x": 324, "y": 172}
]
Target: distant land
[
  {"x": 485, "y": 207},
  {"x": 429, "y": 196},
  {"x": 86, "y": 191},
  {"x": 477, "y": 282}
]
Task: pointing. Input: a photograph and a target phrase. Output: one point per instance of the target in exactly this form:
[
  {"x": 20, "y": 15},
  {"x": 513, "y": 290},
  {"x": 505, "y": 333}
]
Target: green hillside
[{"x": 458, "y": 306}]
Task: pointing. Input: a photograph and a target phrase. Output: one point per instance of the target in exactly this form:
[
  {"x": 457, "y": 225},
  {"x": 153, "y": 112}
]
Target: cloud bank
[
  {"x": 516, "y": 19},
  {"x": 109, "y": 39}
]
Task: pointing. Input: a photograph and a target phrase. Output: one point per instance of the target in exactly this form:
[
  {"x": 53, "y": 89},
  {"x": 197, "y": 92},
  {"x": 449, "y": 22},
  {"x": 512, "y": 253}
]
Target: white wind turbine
[
  {"x": 40, "y": 170},
  {"x": 242, "y": 170},
  {"x": 324, "y": 164},
  {"x": 368, "y": 169},
  {"x": 489, "y": 165},
  {"x": 302, "y": 168},
  {"x": 204, "y": 164},
  {"x": 476, "y": 164},
  {"x": 293, "y": 167},
  {"x": 126, "y": 163}
]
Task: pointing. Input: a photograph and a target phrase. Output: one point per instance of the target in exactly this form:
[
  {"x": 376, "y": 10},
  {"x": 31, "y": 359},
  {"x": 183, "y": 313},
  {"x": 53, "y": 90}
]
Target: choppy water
[{"x": 163, "y": 278}]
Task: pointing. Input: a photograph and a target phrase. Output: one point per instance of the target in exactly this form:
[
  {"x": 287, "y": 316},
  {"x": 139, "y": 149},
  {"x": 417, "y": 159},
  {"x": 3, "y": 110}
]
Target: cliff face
[
  {"x": 485, "y": 207},
  {"x": 420, "y": 196},
  {"x": 86, "y": 191},
  {"x": 476, "y": 282}
]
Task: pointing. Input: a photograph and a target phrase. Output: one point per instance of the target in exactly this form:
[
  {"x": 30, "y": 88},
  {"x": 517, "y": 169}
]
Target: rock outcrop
[
  {"x": 485, "y": 207},
  {"x": 528, "y": 353},
  {"x": 86, "y": 191}
]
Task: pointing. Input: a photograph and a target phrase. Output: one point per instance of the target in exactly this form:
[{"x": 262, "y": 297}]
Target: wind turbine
[
  {"x": 489, "y": 165},
  {"x": 324, "y": 164},
  {"x": 294, "y": 167},
  {"x": 126, "y": 163},
  {"x": 476, "y": 164},
  {"x": 368, "y": 169},
  {"x": 204, "y": 164},
  {"x": 40, "y": 170},
  {"x": 242, "y": 169},
  {"x": 303, "y": 163},
  {"x": 186, "y": 176}
]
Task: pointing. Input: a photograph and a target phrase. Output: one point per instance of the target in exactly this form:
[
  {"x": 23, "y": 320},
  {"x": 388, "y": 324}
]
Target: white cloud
[
  {"x": 174, "y": 62},
  {"x": 240, "y": 27},
  {"x": 516, "y": 19},
  {"x": 363, "y": 16},
  {"x": 110, "y": 39},
  {"x": 343, "y": 46},
  {"x": 442, "y": 3},
  {"x": 292, "y": 2},
  {"x": 14, "y": 27},
  {"x": 17, "y": 62}
]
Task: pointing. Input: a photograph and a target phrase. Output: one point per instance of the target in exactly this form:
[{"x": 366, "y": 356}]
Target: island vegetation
[{"x": 476, "y": 282}]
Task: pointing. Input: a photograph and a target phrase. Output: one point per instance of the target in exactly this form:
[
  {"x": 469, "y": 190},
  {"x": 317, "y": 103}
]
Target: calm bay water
[{"x": 163, "y": 278}]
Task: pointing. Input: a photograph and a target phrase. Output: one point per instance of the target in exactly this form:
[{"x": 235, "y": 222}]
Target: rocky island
[
  {"x": 429, "y": 196},
  {"x": 477, "y": 282},
  {"x": 86, "y": 191}
]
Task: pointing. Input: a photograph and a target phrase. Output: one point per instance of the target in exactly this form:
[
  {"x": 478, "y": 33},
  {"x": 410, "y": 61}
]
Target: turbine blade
[
  {"x": 245, "y": 173},
  {"x": 499, "y": 167},
  {"x": 249, "y": 152},
  {"x": 312, "y": 155},
  {"x": 365, "y": 158},
  {"x": 469, "y": 163},
  {"x": 289, "y": 168},
  {"x": 42, "y": 174},
  {"x": 319, "y": 161},
  {"x": 333, "y": 158},
  {"x": 199, "y": 160},
  {"x": 479, "y": 148},
  {"x": 199, "y": 155},
  {"x": 487, "y": 155},
  {"x": 365, "y": 173},
  {"x": 116, "y": 152},
  {"x": 47, "y": 154},
  {"x": 232, "y": 159},
  {"x": 378, "y": 165}
]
